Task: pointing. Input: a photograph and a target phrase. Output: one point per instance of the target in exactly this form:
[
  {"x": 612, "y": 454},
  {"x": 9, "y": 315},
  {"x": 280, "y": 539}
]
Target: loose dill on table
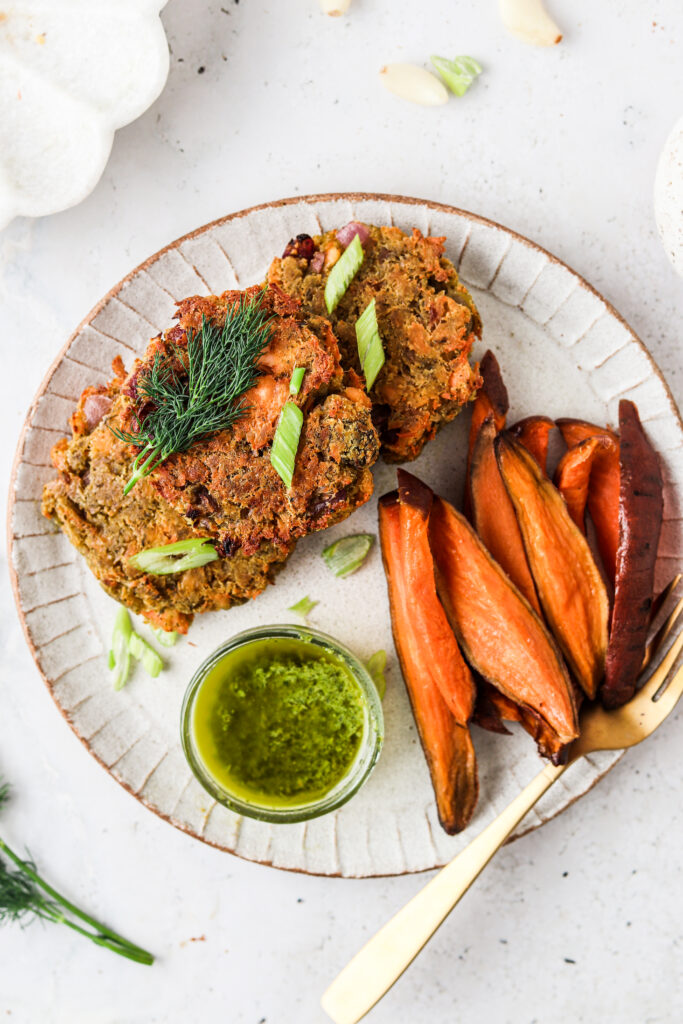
[{"x": 195, "y": 391}]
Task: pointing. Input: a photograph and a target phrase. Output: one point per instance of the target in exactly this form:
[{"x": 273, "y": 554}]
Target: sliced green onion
[
  {"x": 370, "y": 348},
  {"x": 120, "y": 654},
  {"x": 140, "y": 649},
  {"x": 162, "y": 560},
  {"x": 167, "y": 638},
  {"x": 343, "y": 273},
  {"x": 458, "y": 74},
  {"x": 286, "y": 441},
  {"x": 296, "y": 379},
  {"x": 376, "y": 665},
  {"x": 348, "y": 554},
  {"x": 111, "y": 660},
  {"x": 303, "y": 607}
]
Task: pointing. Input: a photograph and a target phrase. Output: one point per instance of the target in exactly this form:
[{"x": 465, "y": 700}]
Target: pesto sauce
[{"x": 278, "y": 722}]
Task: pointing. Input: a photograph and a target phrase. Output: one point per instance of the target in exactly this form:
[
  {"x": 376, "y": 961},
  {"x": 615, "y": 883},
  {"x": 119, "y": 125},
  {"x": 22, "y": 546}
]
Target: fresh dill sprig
[
  {"x": 23, "y": 893},
  {"x": 191, "y": 392}
]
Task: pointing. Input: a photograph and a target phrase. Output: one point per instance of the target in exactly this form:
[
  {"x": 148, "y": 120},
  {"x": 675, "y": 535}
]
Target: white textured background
[{"x": 580, "y": 922}]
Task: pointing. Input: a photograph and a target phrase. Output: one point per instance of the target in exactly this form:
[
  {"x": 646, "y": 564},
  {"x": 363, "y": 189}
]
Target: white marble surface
[{"x": 579, "y": 922}]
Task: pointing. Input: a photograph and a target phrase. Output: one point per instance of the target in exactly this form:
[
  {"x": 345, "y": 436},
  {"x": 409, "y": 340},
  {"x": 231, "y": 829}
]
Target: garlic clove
[
  {"x": 414, "y": 84},
  {"x": 529, "y": 21},
  {"x": 335, "y": 7}
]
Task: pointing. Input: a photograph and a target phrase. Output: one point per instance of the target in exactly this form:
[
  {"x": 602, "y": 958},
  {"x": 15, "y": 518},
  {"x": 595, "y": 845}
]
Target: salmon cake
[
  {"x": 427, "y": 321},
  {"x": 224, "y": 487}
]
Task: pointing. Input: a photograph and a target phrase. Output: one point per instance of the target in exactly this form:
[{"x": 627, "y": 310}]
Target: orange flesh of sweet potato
[
  {"x": 447, "y": 746},
  {"x": 491, "y": 403},
  {"x": 503, "y": 638},
  {"x": 493, "y": 515},
  {"x": 603, "y": 487},
  {"x": 568, "y": 583},
  {"x": 640, "y": 522},
  {"x": 534, "y": 433},
  {"x": 572, "y": 476}
]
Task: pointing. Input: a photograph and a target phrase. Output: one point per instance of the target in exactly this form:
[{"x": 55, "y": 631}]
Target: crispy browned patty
[
  {"x": 427, "y": 320},
  {"x": 224, "y": 488}
]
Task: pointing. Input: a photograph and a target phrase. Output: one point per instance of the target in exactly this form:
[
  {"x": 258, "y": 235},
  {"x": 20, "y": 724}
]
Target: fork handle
[{"x": 385, "y": 957}]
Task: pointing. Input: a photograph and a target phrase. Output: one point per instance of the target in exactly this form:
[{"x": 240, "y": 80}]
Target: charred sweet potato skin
[
  {"x": 447, "y": 746},
  {"x": 640, "y": 522},
  {"x": 603, "y": 486},
  {"x": 568, "y": 582},
  {"x": 493, "y": 515},
  {"x": 503, "y": 638},
  {"x": 534, "y": 433}
]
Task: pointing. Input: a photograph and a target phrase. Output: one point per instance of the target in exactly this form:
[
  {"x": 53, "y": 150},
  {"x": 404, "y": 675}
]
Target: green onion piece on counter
[
  {"x": 140, "y": 649},
  {"x": 343, "y": 273},
  {"x": 162, "y": 560},
  {"x": 119, "y": 648},
  {"x": 376, "y": 665},
  {"x": 167, "y": 638},
  {"x": 286, "y": 441},
  {"x": 458, "y": 74},
  {"x": 303, "y": 607},
  {"x": 296, "y": 380},
  {"x": 348, "y": 554},
  {"x": 111, "y": 660},
  {"x": 370, "y": 348}
]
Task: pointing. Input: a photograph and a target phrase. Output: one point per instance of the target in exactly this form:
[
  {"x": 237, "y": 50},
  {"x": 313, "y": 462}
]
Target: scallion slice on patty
[
  {"x": 296, "y": 380},
  {"x": 343, "y": 273},
  {"x": 164, "y": 560},
  {"x": 286, "y": 441},
  {"x": 370, "y": 348}
]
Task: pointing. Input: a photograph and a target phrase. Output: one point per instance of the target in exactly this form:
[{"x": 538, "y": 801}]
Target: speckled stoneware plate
[{"x": 564, "y": 352}]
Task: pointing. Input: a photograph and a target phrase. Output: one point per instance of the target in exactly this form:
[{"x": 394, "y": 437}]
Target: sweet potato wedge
[
  {"x": 640, "y": 522},
  {"x": 426, "y": 651},
  {"x": 534, "y": 433},
  {"x": 501, "y": 635},
  {"x": 568, "y": 583},
  {"x": 572, "y": 476},
  {"x": 603, "y": 487},
  {"x": 493, "y": 514},
  {"x": 491, "y": 403},
  {"x": 493, "y": 709}
]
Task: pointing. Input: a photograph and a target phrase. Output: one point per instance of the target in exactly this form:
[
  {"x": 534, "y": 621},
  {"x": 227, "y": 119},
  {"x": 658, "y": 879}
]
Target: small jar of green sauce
[{"x": 282, "y": 724}]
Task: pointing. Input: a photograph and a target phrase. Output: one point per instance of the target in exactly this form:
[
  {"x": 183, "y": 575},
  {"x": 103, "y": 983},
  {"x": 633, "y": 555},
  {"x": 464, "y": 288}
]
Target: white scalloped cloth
[
  {"x": 563, "y": 351},
  {"x": 71, "y": 73}
]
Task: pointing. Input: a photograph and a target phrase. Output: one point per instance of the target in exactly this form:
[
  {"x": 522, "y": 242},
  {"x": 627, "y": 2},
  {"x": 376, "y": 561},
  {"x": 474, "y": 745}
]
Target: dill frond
[{"x": 197, "y": 390}]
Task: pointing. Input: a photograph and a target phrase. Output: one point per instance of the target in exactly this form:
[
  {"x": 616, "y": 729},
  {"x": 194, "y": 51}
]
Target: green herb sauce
[{"x": 278, "y": 722}]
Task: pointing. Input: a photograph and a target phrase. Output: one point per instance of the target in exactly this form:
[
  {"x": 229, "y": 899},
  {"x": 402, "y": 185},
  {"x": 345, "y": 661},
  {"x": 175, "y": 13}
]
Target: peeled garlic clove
[
  {"x": 413, "y": 83},
  {"x": 335, "y": 7},
  {"x": 529, "y": 21}
]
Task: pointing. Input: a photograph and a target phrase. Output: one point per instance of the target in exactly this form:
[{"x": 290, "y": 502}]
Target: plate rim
[{"x": 308, "y": 199}]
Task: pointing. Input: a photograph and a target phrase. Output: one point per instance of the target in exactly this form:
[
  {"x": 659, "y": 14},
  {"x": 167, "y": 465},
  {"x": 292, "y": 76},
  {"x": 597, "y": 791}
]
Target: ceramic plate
[{"x": 564, "y": 352}]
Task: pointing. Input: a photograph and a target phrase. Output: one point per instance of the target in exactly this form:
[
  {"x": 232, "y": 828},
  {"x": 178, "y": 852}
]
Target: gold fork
[{"x": 385, "y": 957}]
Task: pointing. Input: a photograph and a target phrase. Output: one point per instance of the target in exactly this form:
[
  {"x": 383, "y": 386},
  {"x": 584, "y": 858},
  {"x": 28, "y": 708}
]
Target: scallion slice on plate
[
  {"x": 458, "y": 74},
  {"x": 286, "y": 441},
  {"x": 370, "y": 348},
  {"x": 140, "y": 649},
  {"x": 348, "y": 554},
  {"x": 119, "y": 655},
  {"x": 176, "y": 557},
  {"x": 303, "y": 607},
  {"x": 296, "y": 380},
  {"x": 166, "y": 637},
  {"x": 343, "y": 273},
  {"x": 376, "y": 665}
]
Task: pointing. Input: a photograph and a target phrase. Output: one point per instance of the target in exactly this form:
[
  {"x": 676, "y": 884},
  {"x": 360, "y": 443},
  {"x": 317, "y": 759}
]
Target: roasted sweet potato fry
[
  {"x": 572, "y": 476},
  {"x": 568, "y": 583},
  {"x": 429, "y": 657},
  {"x": 534, "y": 433},
  {"x": 603, "y": 486},
  {"x": 491, "y": 403},
  {"x": 502, "y": 637},
  {"x": 640, "y": 522},
  {"x": 493, "y": 514},
  {"x": 493, "y": 708}
]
